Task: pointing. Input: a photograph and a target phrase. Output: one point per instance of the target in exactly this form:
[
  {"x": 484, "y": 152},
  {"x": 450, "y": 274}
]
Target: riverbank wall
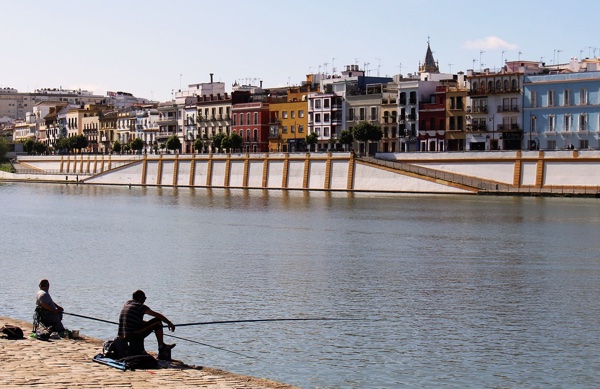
[{"x": 570, "y": 172}]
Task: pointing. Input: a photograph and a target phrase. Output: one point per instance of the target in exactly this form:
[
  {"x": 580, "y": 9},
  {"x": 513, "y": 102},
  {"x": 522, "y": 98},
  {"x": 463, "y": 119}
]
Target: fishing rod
[
  {"x": 260, "y": 320},
  {"x": 172, "y": 336}
]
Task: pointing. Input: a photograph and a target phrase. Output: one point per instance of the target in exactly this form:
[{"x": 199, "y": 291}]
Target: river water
[{"x": 441, "y": 291}]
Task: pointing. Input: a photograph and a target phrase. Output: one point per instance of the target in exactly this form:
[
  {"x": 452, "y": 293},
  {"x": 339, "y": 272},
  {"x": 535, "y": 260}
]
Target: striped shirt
[{"x": 131, "y": 317}]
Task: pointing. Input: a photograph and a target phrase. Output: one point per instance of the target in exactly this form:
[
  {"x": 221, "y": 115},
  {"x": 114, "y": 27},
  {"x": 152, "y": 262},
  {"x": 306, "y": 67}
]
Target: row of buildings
[{"x": 522, "y": 105}]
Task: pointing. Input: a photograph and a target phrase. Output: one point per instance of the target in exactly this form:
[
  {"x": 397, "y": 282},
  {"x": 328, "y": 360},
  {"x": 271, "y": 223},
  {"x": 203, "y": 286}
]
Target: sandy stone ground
[{"x": 67, "y": 363}]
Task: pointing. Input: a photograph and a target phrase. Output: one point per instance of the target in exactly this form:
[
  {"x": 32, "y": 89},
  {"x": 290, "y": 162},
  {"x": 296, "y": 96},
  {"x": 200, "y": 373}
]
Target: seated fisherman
[
  {"x": 134, "y": 329},
  {"x": 50, "y": 313}
]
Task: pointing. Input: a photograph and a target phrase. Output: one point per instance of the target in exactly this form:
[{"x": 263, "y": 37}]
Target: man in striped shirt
[{"x": 134, "y": 329}]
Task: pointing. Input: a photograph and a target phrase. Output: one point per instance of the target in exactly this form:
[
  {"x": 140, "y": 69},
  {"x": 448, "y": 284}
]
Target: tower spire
[{"x": 429, "y": 65}]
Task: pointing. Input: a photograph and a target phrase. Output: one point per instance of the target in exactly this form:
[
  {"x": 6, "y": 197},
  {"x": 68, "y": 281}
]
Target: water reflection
[{"x": 451, "y": 290}]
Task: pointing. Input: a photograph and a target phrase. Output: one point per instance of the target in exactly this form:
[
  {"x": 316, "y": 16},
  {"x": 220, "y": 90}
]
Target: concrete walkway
[{"x": 67, "y": 363}]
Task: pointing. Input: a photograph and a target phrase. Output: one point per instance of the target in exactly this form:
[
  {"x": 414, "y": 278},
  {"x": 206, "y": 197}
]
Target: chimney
[{"x": 211, "y": 78}]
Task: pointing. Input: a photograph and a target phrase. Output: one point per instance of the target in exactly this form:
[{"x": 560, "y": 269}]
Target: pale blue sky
[{"x": 151, "y": 47}]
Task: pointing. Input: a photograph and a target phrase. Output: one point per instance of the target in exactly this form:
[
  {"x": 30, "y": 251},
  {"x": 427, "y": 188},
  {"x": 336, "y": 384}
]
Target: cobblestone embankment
[{"x": 67, "y": 363}]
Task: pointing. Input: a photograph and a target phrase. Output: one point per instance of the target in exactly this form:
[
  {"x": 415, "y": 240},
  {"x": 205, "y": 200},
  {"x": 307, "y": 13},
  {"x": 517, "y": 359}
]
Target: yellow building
[{"x": 288, "y": 124}]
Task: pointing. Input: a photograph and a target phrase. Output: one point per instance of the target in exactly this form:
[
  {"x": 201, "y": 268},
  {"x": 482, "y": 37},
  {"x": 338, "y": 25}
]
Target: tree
[
  {"x": 365, "y": 132},
  {"x": 137, "y": 144},
  {"x": 198, "y": 145},
  {"x": 40, "y": 148},
  {"x": 62, "y": 144},
  {"x": 346, "y": 138},
  {"x": 311, "y": 139},
  {"x": 78, "y": 142},
  {"x": 226, "y": 143},
  {"x": 173, "y": 143},
  {"x": 116, "y": 147},
  {"x": 3, "y": 148},
  {"x": 28, "y": 145},
  {"x": 236, "y": 141},
  {"x": 217, "y": 139}
]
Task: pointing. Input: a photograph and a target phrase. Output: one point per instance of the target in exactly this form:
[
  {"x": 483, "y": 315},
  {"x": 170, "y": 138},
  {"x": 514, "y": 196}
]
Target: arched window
[
  {"x": 498, "y": 85},
  {"x": 490, "y": 86},
  {"x": 514, "y": 85},
  {"x": 505, "y": 85},
  {"x": 474, "y": 86},
  {"x": 255, "y": 135}
]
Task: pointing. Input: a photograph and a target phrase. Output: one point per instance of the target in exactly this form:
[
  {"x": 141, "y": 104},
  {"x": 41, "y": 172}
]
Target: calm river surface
[{"x": 449, "y": 291}]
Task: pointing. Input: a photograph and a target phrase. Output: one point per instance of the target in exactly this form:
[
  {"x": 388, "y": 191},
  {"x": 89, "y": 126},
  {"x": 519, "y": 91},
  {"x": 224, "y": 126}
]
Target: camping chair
[{"x": 39, "y": 322}]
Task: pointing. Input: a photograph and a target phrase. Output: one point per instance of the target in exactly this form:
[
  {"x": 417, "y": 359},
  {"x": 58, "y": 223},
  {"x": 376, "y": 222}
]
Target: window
[
  {"x": 583, "y": 97},
  {"x": 241, "y": 119},
  {"x": 533, "y": 99},
  {"x": 350, "y": 114},
  {"x": 326, "y": 118},
  {"x": 567, "y": 97},
  {"x": 301, "y": 113},
  {"x": 317, "y": 118},
  {"x": 234, "y": 120},
  {"x": 567, "y": 122},
  {"x": 584, "y": 144},
  {"x": 325, "y": 103},
  {"x": 293, "y": 129},
  {"x": 583, "y": 122},
  {"x": 326, "y": 131},
  {"x": 505, "y": 85},
  {"x": 514, "y": 85},
  {"x": 255, "y": 135},
  {"x": 550, "y": 98},
  {"x": 284, "y": 114},
  {"x": 498, "y": 85},
  {"x": 374, "y": 113},
  {"x": 293, "y": 113},
  {"x": 317, "y": 104},
  {"x": 551, "y": 123},
  {"x": 248, "y": 117},
  {"x": 362, "y": 113},
  {"x": 255, "y": 117},
  {"x": 551, "y": 144},
  {"x": 402, "y": 98},
  {"x": 533, "y": 124},
  {"x": 300, "y": 128},
  {"x": 284, "y": 130}
]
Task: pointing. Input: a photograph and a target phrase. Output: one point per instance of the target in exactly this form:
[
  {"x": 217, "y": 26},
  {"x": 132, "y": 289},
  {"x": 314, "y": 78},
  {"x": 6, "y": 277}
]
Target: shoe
[{"x": 165, "y": 346}]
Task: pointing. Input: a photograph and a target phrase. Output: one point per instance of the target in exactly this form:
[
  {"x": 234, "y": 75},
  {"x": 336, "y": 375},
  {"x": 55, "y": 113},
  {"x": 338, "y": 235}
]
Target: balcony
[
  {"x": 477, "y": 127},
  {"x": 477, "y": 109},
  {"x": 507, "y": 127},
  {"x": 506, "y": 108}
]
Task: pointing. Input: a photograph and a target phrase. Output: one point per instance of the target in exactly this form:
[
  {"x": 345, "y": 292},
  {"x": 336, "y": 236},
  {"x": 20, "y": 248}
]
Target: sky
[{"x": 153, "y": 48}]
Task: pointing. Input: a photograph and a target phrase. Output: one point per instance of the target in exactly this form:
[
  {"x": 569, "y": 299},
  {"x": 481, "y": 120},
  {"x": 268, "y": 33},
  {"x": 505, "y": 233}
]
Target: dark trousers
[{"x": 136, "y": 341}]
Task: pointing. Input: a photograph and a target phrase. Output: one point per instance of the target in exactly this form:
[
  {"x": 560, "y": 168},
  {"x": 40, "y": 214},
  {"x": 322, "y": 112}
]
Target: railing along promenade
[{"x": 484, "y": 186}]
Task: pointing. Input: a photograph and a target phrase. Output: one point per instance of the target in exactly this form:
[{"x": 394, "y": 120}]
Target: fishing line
[
  {"x": 204, "y": 344},
  {"x": 172, "y": 336},
  {"x": 260, "y": 320}
]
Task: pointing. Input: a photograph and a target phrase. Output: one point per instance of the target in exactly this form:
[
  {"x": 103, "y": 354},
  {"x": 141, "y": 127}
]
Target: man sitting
[
  {"x": 50, "y": 313},
  {"x": 134, "y": 329}
]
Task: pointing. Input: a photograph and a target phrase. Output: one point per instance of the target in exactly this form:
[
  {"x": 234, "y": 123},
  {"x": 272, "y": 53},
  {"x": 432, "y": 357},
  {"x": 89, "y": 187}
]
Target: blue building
[{"x": 561, "y": 108}]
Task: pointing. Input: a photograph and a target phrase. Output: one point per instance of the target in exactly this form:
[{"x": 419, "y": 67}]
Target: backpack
[
  {"x": 115, "y": 349},
  {"x": 12, "y": 332}
]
